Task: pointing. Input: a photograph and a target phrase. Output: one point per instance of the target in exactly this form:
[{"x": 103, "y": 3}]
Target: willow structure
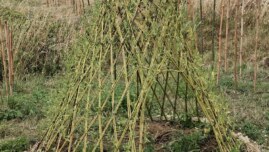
[{"x": 136, "y": 55}]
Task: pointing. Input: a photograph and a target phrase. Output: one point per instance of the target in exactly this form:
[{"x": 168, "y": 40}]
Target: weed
[
  {"x": 187, "y": 143},
  {"x": 29, "y": 100},
  {"x": 15, "y": 145},
  {"x": 252, "y": 131}
]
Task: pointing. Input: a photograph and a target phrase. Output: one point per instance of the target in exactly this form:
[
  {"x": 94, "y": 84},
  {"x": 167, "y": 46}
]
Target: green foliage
[
  {"x": 25, "y": 103},
  {"x": 187, "y": 143},
  {"x": 252, "y": 131},
  {"x": 186, "y": 121},
  {"x": 267, "y": 115},
  {"x": 39, "y": 41},
  {"x": 44, "y": 48},
  {"x": 19, "y": 144},
  {"x": 7, "y": 14},
  {"x": 9, "y": 114},
  {"x": 149, "y": 148}
]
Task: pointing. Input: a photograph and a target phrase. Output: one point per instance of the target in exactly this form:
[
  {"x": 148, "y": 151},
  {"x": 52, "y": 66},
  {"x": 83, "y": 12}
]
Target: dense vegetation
[{"x": 134, "y": 75}]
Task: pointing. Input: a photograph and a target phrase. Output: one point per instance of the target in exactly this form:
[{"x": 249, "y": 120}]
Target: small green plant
[
  {"x": 252, "y": 131},
  {"x": 149, "y": 148},
  {"x": 267, "y": 116},
  {"x": 9, "y": 114},
  {"x": 16, "y": 145},
  {"x": 188, "y": 142},
  {"x": 29, "y": 100}
]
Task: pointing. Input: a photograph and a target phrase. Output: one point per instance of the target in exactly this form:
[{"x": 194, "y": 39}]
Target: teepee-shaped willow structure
[{"x": 137, "y": 51}]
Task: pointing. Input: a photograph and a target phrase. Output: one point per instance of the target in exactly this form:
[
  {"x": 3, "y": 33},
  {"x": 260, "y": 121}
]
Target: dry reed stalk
[
  {"x": 3, "y": 54},
  {"x": 235, "y": 43},
  {"x": 256, "y": 43},
  {"x": 241, "y": 39},
  {"x": 227, "y": 36},
  {"x": 220, "y": 42}
]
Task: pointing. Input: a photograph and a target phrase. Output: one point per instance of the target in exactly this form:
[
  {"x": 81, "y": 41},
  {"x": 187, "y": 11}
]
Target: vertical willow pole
[
  {"x": 47, "y": 3},
  {"x": 11, "y": 70},
  {"x": 3, "y": 51},
  {"x": 113, "y": 78},
  {"x": 100, "y": 91},
  {"x": 201, "y": 27},
  {"x": 241, "y": 39},
  {"x": 220, "y": 42},
  {"x": 256, "y": 43},
  {"x": 227, "y": 36},
  {"x": 87, "y": 107},
  {"x": 164, "y": 92},
  {"x": 82, "y": 6},
  {"x": 9, "y": 55},
  {"x": 213, "y": 34},
  {"x": 186, "y": 99},
  {"x": 190, "y": 9},
  {"x": 177, "y": 81},
  {"x": 235, "y": 43},
  {"x": 129, "y": 112}
]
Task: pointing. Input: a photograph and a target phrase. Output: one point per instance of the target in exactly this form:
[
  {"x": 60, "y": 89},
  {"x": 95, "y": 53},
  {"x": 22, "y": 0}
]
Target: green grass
[
  {"x": 248, "y": 109},
  {"x": 18, "y": 144},
  {"x": 21, "y": 115}
]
